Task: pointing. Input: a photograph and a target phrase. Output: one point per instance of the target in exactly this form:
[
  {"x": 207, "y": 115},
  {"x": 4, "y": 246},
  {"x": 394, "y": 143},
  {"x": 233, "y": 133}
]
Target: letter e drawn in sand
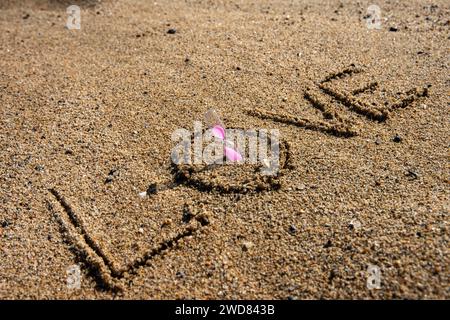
[
  {"x": 323, "y": 96},
  {"x": 100, "y": 264}
]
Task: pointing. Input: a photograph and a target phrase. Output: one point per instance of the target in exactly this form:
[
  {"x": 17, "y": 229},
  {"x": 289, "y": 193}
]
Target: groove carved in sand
[
  {"x": 323, "y": 96},
  {"x": 99, "y": 263},
  {"x": 200, "y": 176}
]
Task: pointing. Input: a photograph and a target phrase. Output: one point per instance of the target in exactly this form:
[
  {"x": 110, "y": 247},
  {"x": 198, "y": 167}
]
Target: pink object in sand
[
  {"x": 232, "y": 154},
  {"x": 218, "y": 130}
]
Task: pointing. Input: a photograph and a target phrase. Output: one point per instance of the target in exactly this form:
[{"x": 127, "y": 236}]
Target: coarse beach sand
[{"x": 86, "y": 122}]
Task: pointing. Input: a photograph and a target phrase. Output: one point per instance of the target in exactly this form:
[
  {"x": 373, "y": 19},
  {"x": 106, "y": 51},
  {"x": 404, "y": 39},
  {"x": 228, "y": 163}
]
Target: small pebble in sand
[
  {"x": 172, "y": 31},
  {"x": 412, "y": 173},
  {"x": 166, "y": 222},
  {"x": 393, "y": 29},
  {"x": 141, "y": 230},
  {"x": 4, "y": 223},
  {"x": 397, "y": 138},
  {"x": 203, "y": 218},
  {"x": 111, "y": 175},
  {"x": 152, "y": 189},
  {"x": 187, "y": 215},
  {"x": 247, "y": 245},
  {"x": 328, "y": 244},
  {"x": 377, "y": 141},
  {"x": 292, "y": 229},
  {"x": 143, "y": 194},
  {"x": 354, "y": 224}
]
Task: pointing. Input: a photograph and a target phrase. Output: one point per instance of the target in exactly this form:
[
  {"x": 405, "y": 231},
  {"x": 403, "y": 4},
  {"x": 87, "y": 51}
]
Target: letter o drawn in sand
[{"x": 229, "y": 178}]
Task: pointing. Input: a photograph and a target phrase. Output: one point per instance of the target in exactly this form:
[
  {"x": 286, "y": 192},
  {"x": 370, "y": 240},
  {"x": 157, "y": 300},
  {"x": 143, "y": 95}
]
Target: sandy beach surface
[{"x": 86, "y": 122}]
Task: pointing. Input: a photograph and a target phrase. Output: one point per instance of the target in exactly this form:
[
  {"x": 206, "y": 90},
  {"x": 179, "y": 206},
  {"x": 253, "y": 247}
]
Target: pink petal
[
  {"x": 218, "y": 132},
  {"x": 232, "y": 154}
]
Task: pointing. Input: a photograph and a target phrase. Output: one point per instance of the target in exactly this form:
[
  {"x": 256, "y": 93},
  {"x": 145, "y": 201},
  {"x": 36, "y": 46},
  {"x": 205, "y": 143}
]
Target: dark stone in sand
[
  {"x": 187, "y": 215},
  {"x": 204, "y": 221},
  {"x": 292, "y": 229},
  {"x": 5, "y": 223},
  {"x": 152, "y": 189},
  {"x": 412, "y": 174},
  {"x": 397, "y": 138},
  {"x": 111, "y": 175},
  {"x": 377, "y": 141}
]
